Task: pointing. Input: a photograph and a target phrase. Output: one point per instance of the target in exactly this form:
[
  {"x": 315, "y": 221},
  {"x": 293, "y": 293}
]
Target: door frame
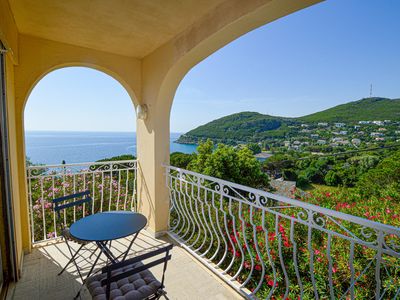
[{"x": 5, "y": 177}]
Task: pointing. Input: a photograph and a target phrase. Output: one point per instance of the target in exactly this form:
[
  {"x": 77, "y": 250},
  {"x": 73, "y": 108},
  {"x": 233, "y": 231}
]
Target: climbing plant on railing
[{"x": 112, "y": 186}]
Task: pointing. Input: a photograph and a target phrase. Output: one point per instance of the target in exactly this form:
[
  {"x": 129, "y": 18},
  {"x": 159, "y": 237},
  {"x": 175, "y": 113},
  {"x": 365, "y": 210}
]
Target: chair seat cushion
[
  {"x": 134, "y": 287},
  {"x": 67, "y": 234}
]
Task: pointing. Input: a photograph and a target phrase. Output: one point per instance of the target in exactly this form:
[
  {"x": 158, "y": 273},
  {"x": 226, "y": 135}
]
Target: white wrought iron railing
[
  {"x": 112, "y": 185},
  {"x": 268, "y": 246}
]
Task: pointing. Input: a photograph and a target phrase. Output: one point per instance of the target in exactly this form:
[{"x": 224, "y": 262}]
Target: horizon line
[{"x": 102, "y": 131}]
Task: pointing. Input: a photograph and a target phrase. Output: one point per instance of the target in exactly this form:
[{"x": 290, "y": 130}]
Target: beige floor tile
[{"x": 185, "y": 278}]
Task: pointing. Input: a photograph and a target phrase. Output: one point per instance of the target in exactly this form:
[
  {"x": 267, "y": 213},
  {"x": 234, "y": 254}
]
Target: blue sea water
[{"x": 50, "y": 147}]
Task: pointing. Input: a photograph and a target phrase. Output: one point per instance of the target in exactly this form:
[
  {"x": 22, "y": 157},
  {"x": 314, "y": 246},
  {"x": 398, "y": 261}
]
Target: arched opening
[
  {"x": 79, "y": 136},
  {"x": 78, "y": 102},
  {"x": 321, "y": 98}
]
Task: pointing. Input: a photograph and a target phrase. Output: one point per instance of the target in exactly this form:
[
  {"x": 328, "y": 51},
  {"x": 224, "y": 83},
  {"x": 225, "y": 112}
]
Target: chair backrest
[
  {"x": 108, "y": 269},
  {"x": 59, "y": 203}
]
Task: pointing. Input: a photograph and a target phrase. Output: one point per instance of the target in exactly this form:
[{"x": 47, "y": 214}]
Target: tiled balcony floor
[{"x": 185, "y": 277}]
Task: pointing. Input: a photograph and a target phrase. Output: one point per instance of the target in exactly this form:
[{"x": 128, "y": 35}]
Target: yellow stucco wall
[
  {"x": 38, "y": 57},
  {"x": 20, "y": 223},
  {"x": 8, "y": 30}
]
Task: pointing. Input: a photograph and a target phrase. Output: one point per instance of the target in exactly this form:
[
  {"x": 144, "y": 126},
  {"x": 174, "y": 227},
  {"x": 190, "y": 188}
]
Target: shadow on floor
[{"x": 185, "y": 278}]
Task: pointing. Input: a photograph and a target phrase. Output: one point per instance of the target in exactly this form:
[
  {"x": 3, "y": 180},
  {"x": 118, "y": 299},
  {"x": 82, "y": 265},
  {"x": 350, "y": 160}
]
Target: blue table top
[{"x": 107, "y": 226}]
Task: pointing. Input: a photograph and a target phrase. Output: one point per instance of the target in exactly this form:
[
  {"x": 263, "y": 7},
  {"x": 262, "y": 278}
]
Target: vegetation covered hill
[
  {"x": 375, "y": 108},
  {"x": 240, "y": 127},
  {"x": 253, "y": 126}
]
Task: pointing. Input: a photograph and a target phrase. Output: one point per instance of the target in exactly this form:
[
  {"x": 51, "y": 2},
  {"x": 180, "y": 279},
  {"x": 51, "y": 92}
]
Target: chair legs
[
  {"x": 71, "y": 260},
  {"x": 73, "y": 255}
]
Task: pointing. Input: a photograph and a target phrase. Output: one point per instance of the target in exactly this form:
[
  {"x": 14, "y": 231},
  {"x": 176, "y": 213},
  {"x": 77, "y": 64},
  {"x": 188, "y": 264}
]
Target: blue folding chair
[
  {"x": 60, "y": 204},
  {"x": 131, "y": 278}
]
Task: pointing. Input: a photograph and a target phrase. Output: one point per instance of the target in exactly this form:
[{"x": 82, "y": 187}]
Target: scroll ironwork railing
[
  {"x": 268, "y": 246},
  {"x": 112, "y": 185}
]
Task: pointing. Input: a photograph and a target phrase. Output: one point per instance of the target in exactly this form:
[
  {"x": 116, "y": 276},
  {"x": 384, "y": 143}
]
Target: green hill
[
  {"x": 365, "y": 109},
  {"x": 240, "y": 127},
  {"x": 253, "y": 126}
]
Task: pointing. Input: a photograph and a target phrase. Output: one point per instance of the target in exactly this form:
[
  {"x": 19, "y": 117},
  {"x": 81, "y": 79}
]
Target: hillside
[
  {"x": 240, "y": 127},
  {"x": 365, "y": 109},
  {"x": 253, "y": 126}
]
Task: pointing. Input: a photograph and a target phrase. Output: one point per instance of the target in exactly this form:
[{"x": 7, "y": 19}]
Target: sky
[{"x": 322, "y": 56}]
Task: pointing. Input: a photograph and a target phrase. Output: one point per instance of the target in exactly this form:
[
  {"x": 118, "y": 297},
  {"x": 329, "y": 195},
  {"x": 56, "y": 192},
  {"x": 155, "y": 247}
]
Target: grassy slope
[
  {"x": 250, "y": 126},
  {"x": 364, "y": 109}
]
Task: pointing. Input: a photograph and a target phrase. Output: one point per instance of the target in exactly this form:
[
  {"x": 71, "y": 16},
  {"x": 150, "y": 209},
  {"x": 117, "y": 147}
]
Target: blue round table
[
  {"x": 102, "y": 228},
  {"x": 108, "y": 226}
]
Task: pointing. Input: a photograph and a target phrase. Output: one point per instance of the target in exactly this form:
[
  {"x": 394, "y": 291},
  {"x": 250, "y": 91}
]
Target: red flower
[
  {"x": 271, "y": 283},
  {"x": 233, "y": 239},
  {"x": 271, "y": 236},
  {"x": 258, "y": 267},
  {"x": 247, "y": 264}
]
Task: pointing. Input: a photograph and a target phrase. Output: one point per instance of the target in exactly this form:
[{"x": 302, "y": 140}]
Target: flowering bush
[
  {"x": 110, "y": 190},
  {"x": 282, "y": 251}
]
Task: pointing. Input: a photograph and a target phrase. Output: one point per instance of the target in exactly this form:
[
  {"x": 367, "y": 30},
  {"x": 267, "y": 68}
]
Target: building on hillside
[
  {"x": 321, "y": 142},
  {"x": 356, "y": 142},
  {"x": 340, "y": 125},
  {"x": 263, "y": 156},
  {"x": 382, "y": 129},
  {"x": 337, "y": 140},
  {"x": 379, "y": 123},
  {"x": 315, "y": 136},
  {"x": 345, "y": 142},
  {"x": 377, "y": 134},
  {"x": 379, "y": 139},
  {"x": 323, "y": 124},
  {"x": 364, "y": 122},
  {"x": 343, "y": 132}
]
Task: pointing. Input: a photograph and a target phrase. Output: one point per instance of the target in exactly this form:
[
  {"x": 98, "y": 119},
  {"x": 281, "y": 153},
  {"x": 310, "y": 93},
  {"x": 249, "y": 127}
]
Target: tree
[
  {"x": 254, "y": 147},
  {"x": 386, "y": 176},
  {"x": 332, "y": 178},
  {"x": 228, "y": 163},
  {"x": 119, "y": 157},
  {"x": 181, "y": 160}
]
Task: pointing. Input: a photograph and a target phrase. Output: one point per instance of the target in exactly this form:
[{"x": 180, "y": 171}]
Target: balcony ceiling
[{"x": 127, "y": 27}]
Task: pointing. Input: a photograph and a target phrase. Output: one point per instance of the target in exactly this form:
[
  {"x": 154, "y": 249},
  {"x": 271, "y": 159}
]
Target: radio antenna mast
[{"x": 370, "y": 91}]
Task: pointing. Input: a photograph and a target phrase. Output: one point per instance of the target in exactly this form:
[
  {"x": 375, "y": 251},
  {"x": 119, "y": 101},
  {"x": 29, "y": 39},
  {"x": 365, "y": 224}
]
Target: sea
[{"x": 51, "y": 147}]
